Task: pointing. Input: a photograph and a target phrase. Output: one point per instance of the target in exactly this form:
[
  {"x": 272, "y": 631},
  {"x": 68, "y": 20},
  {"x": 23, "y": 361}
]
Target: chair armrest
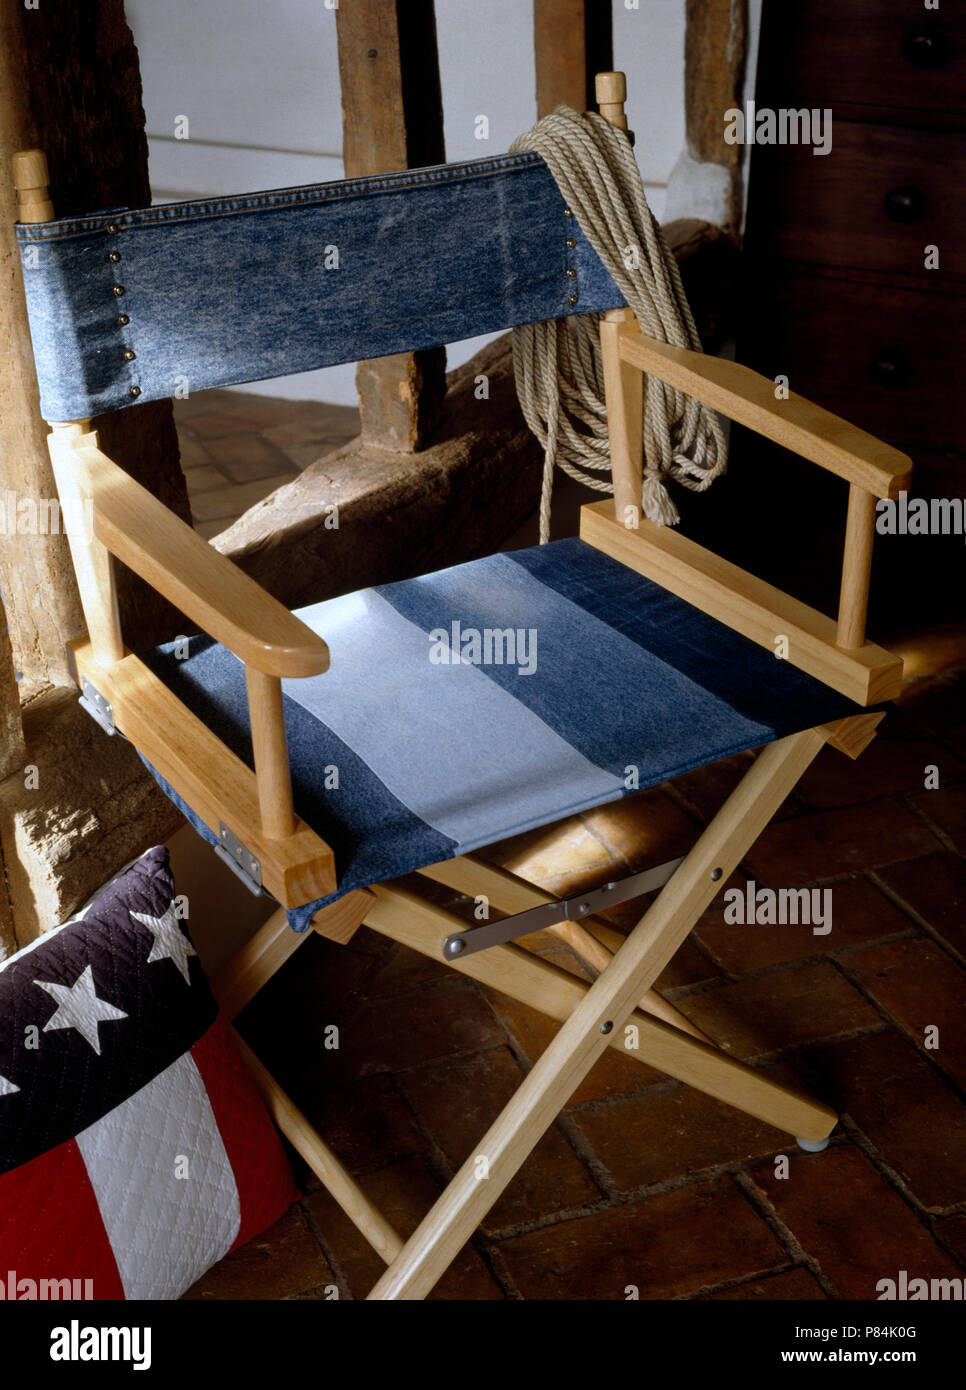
[
  {"x": 749, "y": 399},
  {"x": 204, "y": 584}
]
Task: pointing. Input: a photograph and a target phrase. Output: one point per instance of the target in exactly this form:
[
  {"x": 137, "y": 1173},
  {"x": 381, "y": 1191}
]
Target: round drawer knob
[
  {"x": 926, "y": 48},
  {"x": 890, "y": 369},
  {"x": 905, "y": 204}
]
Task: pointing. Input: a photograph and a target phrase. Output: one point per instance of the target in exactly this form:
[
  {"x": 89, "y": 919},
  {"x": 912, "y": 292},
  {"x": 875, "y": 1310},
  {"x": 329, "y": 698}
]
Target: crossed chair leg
[{"x": 593, "y": 1017}]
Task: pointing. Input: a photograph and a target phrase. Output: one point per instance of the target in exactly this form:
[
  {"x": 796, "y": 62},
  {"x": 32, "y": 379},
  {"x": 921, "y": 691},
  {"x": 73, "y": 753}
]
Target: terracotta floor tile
[
  {"x": 918, "y": 984},
  {"x": 786, "y": 1008},
  {"x": 952, "y": 1230},
  {"x": 613, "y": 1074},
  {"x": 671, "y": 1244},
  {"x": 203, "y": 479},
  {"x": 193, "y": 453},
  {"x": 935, "y": 888},
  {"x": 946, "y": 808},
  {"x": 643, "y": 830},
  {"x": 888, "y": 766},
  {"x": 457, "y": 1100},
  {"x": 404, "y": 1194},
  {"x": 671, "y": 1134},
  {"x": 860, "y": 913},
  {"x": 911, "y": 1116},
  {"x": 368, "y": 1123},
  {"x": 567, "y": 853},
  {"x": 841, "y": 841},
  {"x": 394, "y": 1033},
  {"x": 847, "y": 1217},
  {"x": 282, "y": 1262},
  {"x": 404, "y": 969},
  {"x": 233, "y": 499},
  {"x": 245, "y": 457},
  {"x": 794, "y": 1286}
]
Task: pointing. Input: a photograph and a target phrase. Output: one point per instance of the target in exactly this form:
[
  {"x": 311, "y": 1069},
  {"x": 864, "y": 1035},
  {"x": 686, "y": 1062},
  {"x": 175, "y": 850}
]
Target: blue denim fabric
[
  {"x": 627, "y": 675},
  {"x": 245, "y": 288}
]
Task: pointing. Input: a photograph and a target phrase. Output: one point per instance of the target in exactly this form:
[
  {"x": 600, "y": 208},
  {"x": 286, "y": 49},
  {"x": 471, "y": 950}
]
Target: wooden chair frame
[{"x": 297, "y": 866}]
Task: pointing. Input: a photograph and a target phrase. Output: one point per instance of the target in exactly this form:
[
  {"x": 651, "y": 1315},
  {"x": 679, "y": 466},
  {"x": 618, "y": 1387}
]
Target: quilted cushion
[
  {"x": 484, "y": 700},
  {"x": 134, "y": 1149}
]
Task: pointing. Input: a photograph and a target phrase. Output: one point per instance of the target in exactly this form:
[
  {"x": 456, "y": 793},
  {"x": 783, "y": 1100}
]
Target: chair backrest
[{"x": 140, "y": 304}]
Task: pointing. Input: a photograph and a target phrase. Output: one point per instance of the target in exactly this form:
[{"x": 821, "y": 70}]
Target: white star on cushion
[
  {"x": 170, "y": 942},
  {"x": 7, "y": 1088},
  {"x": 79, "y": 1007}
]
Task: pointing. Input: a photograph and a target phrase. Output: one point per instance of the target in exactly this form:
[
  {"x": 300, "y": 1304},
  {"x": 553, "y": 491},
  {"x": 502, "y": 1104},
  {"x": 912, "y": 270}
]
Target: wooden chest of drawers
[{"x": 857, "y": 259}]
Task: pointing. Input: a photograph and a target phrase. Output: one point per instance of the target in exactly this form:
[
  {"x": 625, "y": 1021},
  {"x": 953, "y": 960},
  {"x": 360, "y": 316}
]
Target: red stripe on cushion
[
  {"x": 51, "y": 1227},
  {"x": 266, "y": 1188}
]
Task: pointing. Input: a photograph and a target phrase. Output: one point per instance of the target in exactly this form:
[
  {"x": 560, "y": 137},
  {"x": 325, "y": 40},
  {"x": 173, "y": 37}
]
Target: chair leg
[
  {"x": 367, "y": 1219},
  {"x": 273, "y": 943},
  {"x": 234, "y": 987},
  {"x": 604, "y": 1008}
]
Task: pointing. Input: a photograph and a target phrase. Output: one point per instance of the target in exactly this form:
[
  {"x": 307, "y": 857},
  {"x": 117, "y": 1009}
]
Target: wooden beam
[
  {"x": 392, "y": 118},
  {"x": 714, "y": 75},
  {"x": 69, "y": 83},
  {"x": 573, "y": 41}
]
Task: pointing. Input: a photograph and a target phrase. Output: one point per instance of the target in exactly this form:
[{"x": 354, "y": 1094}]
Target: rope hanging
[{"x": 558, "y": 366}]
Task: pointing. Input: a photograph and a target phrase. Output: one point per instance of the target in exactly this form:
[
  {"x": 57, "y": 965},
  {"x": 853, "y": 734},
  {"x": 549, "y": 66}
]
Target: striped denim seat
[{"x": 500, "y": 695}]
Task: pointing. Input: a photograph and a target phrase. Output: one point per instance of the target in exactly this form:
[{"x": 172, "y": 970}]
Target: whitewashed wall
[{"x": 258, "y": 84}]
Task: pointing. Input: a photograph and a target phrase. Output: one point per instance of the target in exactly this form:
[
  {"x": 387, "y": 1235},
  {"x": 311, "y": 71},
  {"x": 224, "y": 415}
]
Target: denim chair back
[{"x": 139, "y": 304}]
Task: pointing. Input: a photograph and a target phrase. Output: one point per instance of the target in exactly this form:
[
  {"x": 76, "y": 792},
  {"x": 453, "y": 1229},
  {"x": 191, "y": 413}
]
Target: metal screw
[
  {"x": 607, "y": 1027},
  {"x": 456, "y": 947},
  {"x": 715, "y": 875}
]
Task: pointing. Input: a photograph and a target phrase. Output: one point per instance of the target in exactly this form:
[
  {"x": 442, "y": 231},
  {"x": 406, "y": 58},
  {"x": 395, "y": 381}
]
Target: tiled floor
[
  {"x": 237, "y": 447},
  {"x": 641, "y": 1181}
]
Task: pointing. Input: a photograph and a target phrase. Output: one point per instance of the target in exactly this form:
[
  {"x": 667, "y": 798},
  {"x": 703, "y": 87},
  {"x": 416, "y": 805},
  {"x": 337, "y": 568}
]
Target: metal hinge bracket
[
  {"x": 97, "y": 706},
  {"x": 239, "y": 859},
  {"x": 564, "y": 910}
]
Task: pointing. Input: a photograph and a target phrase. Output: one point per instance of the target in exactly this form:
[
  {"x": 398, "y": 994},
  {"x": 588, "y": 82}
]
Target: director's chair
[{"x": 654, "y": 654}]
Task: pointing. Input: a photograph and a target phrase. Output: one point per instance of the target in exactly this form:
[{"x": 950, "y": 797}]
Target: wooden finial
[
  {"x": 30, "y": 179},
  {"x": 611, "y": 91}
]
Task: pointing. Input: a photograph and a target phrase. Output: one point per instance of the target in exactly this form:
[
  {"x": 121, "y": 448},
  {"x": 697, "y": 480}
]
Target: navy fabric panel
[
  {"x": 746, "y": 676},
  {"x": 241, "y": 289},
  {"x": 373, "y": 835},
  {"x": 608, "y": 698},
  {"x": 672, "y": 690}
]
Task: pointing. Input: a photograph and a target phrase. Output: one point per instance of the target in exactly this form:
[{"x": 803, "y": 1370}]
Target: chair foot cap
[{"x": 812, "y": 1146}]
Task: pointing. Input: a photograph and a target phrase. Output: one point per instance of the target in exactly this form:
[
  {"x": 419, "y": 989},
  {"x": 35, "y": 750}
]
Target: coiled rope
[{"x": 558, "y": 366}]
